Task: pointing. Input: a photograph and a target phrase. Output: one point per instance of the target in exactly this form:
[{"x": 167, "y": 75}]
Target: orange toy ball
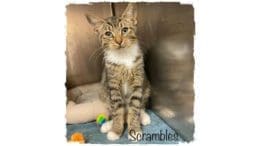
[{"x": 77, "y": 137}]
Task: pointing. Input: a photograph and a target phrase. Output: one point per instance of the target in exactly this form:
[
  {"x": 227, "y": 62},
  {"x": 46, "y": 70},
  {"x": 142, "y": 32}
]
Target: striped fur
[{"x": 125, "y": 83}]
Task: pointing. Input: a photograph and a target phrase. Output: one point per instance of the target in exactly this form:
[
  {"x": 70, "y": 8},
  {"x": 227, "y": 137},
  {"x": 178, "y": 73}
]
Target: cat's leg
[
  {"x": 145, "y": 117},
  {"x": 117, "y": 126},
  {"x": 145, "y": 120},
  {"x": 106, "y": 127},
  {"x": 117, "y": 110},
  {"x": 133, "y": 115}
]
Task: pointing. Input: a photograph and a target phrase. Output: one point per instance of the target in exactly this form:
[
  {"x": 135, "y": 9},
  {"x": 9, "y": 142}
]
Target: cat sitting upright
[{"x": 125, "y": 81}]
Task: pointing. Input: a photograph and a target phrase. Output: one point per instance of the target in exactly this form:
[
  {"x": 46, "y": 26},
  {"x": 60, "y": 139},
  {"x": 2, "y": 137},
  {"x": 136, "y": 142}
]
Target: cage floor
[{"x": 158, "y": 132}]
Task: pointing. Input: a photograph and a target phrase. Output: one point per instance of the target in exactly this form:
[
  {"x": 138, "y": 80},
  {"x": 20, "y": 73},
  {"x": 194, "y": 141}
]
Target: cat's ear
[
  {"x": 130, "y": 13},
  {"x": 95, "y": 21}
]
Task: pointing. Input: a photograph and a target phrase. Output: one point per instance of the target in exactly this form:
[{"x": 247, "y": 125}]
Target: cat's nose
[{"x": 118, "y": 40}]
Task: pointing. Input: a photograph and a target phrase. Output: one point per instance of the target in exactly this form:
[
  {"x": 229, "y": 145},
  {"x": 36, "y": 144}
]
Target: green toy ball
[{"x": 101, "y": 119}]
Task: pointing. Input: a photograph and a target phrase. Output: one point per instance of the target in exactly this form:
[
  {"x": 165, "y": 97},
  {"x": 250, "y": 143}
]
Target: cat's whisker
[
  {"x": 123, "y": 70},
  {"x": 98, "y": 55},
  {"x": 94, "y": 54}
]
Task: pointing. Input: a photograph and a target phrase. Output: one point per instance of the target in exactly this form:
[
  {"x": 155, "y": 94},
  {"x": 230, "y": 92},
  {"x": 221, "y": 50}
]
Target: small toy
[
  {"x": 82, "y": 103},
  {"x": 101, "y": 119},
  {"x": 77, "y": 137}
]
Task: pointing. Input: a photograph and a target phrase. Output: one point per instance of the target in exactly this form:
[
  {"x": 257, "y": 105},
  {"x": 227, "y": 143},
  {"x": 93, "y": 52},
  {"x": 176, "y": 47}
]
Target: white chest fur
[
  {"x": 125, "y": 88},
  {"x": 124, "y": 56}
]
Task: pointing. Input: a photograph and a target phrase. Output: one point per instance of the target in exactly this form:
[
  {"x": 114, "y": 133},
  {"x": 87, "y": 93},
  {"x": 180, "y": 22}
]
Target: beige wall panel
[{"x": 82, "y": 65}]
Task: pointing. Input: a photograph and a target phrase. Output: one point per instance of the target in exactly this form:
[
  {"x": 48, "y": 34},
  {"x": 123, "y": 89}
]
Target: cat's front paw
[
  {"x": 145, "y": 118},
  {"x": 134, "y": 136},
  {"x": 107, "y": 126},
  {"x": 112, "y": 136}
]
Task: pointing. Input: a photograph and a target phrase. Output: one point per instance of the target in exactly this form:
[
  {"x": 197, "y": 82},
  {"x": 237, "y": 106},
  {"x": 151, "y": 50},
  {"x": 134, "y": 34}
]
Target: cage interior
[{"x": 165, "y": 33}]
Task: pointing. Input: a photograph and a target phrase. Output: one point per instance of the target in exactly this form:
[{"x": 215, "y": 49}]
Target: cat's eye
[
  {"x": 108, "y": 33},
  {"x": 124, "y": 30}
]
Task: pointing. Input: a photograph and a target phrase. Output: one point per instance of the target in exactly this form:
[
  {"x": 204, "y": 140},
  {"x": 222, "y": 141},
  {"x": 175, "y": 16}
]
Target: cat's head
[{"x": 116, "y": 32}]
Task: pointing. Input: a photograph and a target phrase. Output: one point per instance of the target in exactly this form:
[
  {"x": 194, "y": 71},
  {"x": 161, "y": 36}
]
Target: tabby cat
[{"x": 125, "y": 82}]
